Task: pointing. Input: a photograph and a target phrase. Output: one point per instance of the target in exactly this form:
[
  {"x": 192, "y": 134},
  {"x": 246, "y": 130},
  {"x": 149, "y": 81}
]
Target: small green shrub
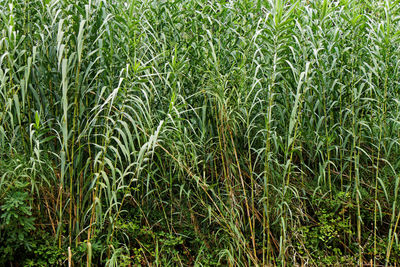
[{"x": 16, "y": 223}]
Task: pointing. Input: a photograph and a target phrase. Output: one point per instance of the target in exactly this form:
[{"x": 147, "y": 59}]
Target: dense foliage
[{"x": 207, "y": 133}]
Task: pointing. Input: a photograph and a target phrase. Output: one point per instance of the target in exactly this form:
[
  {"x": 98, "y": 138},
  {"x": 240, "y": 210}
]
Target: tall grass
[{"x": 259, "y": 132}]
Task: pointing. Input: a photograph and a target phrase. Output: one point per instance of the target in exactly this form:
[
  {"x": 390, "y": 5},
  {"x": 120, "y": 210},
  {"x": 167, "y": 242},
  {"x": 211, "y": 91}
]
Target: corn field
[{"x": 199, "y": 133}]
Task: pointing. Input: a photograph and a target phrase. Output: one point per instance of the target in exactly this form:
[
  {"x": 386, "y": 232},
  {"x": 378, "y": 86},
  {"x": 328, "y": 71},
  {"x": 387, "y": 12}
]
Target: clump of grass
[{"x": 205, "y": 132}]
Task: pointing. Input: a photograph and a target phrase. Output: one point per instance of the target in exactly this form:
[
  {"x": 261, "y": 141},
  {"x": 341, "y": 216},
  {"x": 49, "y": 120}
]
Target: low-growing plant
[{"x": 16, "y": 223}]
